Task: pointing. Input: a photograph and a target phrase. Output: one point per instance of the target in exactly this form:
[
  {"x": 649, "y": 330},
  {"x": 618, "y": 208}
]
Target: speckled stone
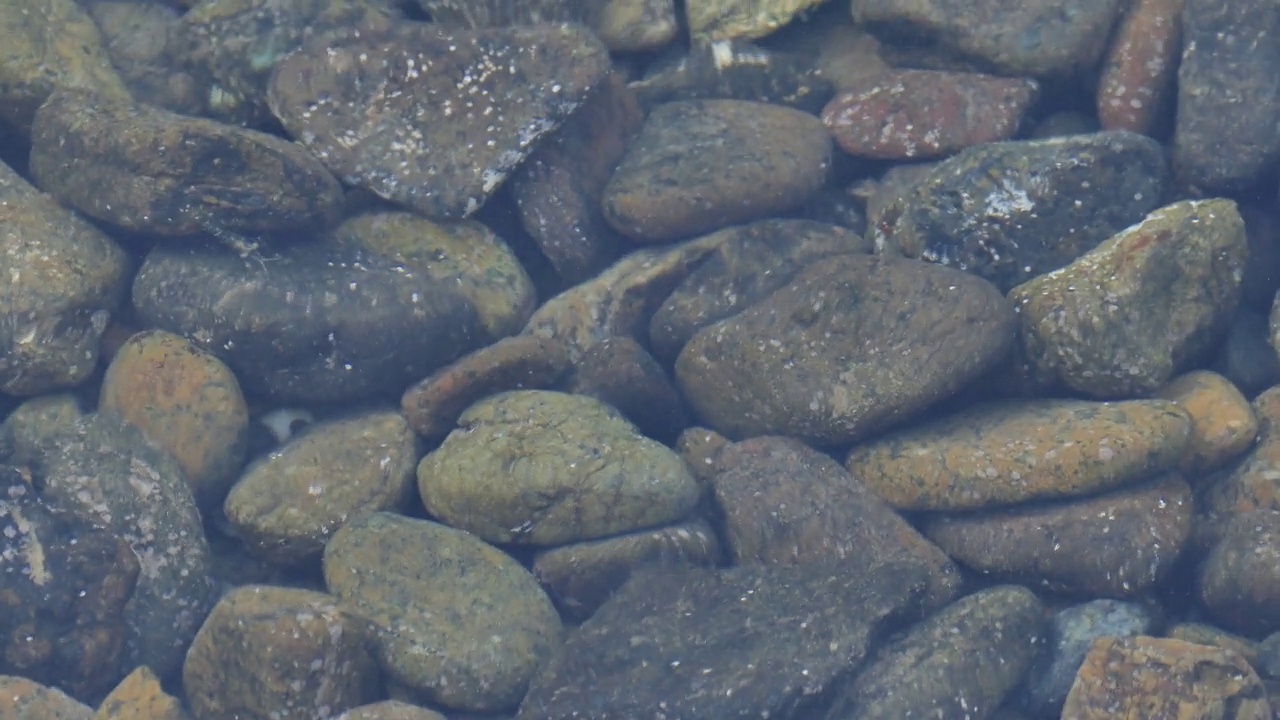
[
  {"x": 432, "y": 117},
  {"x": 741, "y": 19},
  {"x": 1161, "y": 677},
  {"x": 964, "y": 659},
  {"x": 1141, "y": 68},
  {"x": 1240, "y": 577},
  {"x": 140, "y": 696},
  {"x": 1223, "y": 425},
  {"x": 736, "y": 70},
  {"x": 186, "y": 401},
  {"x": 148, "y": 50},
  {"x": 1253, "y": 484},
  {"x": 700, "y": 165},
  {"x": 1122, "y": 319},
  {"x": 545, "y": 468},
  {"x": 455, "y": 619},
  {"x": 390, "y": 710},
  {"x": 22, "y": 699},
  {"x": 1014, "y": 210},
  {"x": 268, "y": 652},
  {"x": 63, "y": 279},
  {"x": 1013, "y": 452},
  {"x": 289, "y": 503},
  {"x": 621, "y": 372},
  {"x": 1055, "y": 546},
  {"x": 853, "y": 345}
]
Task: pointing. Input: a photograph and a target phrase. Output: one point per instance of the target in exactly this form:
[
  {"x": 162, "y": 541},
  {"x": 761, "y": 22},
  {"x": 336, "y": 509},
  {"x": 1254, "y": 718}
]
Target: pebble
[
  {"x": 1140, "y": 67},
  {"x": 1223, "y": 425},
  {"x": 1240, "y": 579}
]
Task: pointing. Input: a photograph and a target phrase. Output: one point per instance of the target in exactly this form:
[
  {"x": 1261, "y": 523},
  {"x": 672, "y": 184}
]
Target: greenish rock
[
  {"x": 741, "y": 19},
  {"x": 289, "y": 503},
  {"x": 455, "y": 619},
  {"x": 537, "y": 467},
  {"x": 1141, "y": 307}
]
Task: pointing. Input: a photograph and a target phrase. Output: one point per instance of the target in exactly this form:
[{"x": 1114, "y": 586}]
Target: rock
[
  {"x": 287, "y": 505},
  {"x": 636, "y": 25},
  {"x": 186, "y": 401},
  {"x": 1253, "y": 483},
  {"x": 522, "y": 362},
  {"x": 1240, "y": 579},
  {"x": 919, "y": 114},
  {"x": 545, "y": 468},
  {"x": 742, "y": 19},
  {"x": 278, "y": 652},
  {"x": 746, "y": 264},
  {"x": 455, "y": 620},
  {"x": 736, "y": 70},
  {"x": 62, "y": 594},
  {"x": 621, "y": 373},
  {"x": 700, "y": 165},
  {"x": 1160, "y": 677},
  {"x": 103, "y": 472},
  {"x": 1030, "y": 38},
  {"x": 50, "y": 44},
  {"x": 853, "y": 345},
  {"x": 1150, "y": 302},
  {"x": 1140, "y": 68},
  {"x": 22, "y": 699},
  {"x": 1223, "y": 425},
  {"x": 740, "y": 642},
  {"x": 390, "y": 710},
  {"x": 1054, "y": 546},
  {"x": 140, "y": 696},
  {"x": 582, "y": 576},
  {"x": 317, "y": 323},
  {"x": 1015, "y": 210},
  {"x": 961, "y": 661},
  {"x": 1230, "y": 57},
  {"x": 63, "y": 280},
  {"x": 783, "y": 502},
  {"x": 432, "y": 117},
  {"x": 1016, "y": 451},
  {"x": 150, "y": 170},
  {"x": 147, "y": 48}
]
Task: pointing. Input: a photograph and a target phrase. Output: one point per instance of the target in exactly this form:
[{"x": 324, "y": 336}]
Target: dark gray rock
[
  {"x": 1011, "y": 211},
  {"x": 701, "y": 644},
  {"x": 317, "y": 323},
  {"x": 432, "y": 117},
  {"x": 737, "y": 70},
  {"x": 1240, "y": 578},
  {"x": 853, "y": 345}
]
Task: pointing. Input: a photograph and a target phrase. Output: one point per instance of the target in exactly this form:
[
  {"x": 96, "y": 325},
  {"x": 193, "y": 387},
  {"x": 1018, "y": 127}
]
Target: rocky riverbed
[{"x": 637, "y": 359}]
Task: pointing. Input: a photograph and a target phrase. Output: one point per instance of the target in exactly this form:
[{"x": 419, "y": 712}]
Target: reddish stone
[
  {"x": 926, "y": 113},
  {"x": 1137, "y": 78}
]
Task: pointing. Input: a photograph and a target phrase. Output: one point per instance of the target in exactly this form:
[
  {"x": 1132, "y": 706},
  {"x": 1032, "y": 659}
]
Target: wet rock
[
  {"x": 63, "y": 280},
  {"x": 431, "y": 117},
  {"x": 288, "y": 504},
  {"x": 23, "y": 699},
  {"x": 1240, "y": 578},
  {"x": 747, "y": 263},
  {"x": 1201, "y": 634},
  {"x": 621, "y": 373},
  {"x": 1036, "y": 39},
  {"x": 736, "y": 70},
  {"x": 636, "y": 25},
  {"x": 1122, "y": 319},
  {"x": 151, "y": 170},
  {"x": 783, "y": 502},
  {"x": 810, "y": 361},
  {"x": 455, "y": 620},
  {"x": 1160, "y": 677},
  {"x": 1223, "y": 426},
  {"x": 50, "y": 43},
  {"x": 185, "y": 401},
  {"x": 316, "y": 323},
  {"x": 144, "y": 41},
  {"x": 581, "y": 577},
  {"x": 35, "y": 422},
  {"x": 1071, "y": 633},
  {"x": 558, "y": 189},
  {"x": 741, "y": 19},
  {"x": 1011, "y": 211},
  {"x": 104, "y": 472},
  {"x": 236, "y": 43},
  {"x": 724, "y": 643},
  {"x": 546, "y": 468},
  {"x": 1230, "y": 58},
  {"x": 63, "y": 590},
  {"x": 140, "y": 696},
  {"x": 1013, "y": 452},
  {"x": 499, "y": 13},
  {"x": 1054, "y": 546},
  {"x": 1254, "y": 483},
  {"x": 275, "y": 652},
  {"x": 910, "y": 114},
  {"x": 464, "y": 255},
  {"x": 700, "y": 165},
  {"x": 523, "y": 362},
  {"x": 701, "y": 450},
  {"x": 1140, "y": 69},
  {"x": 390, "y": 710},
  {"x": 961, "y": 661},
  {"x": 620, "y": 301}
]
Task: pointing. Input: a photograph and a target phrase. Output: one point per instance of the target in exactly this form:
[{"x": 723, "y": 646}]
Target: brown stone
[
  {"x": 1139, "y": 70},
  {"x": 140, "y": 697},
  {"x": 1223, "y": 424}
]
